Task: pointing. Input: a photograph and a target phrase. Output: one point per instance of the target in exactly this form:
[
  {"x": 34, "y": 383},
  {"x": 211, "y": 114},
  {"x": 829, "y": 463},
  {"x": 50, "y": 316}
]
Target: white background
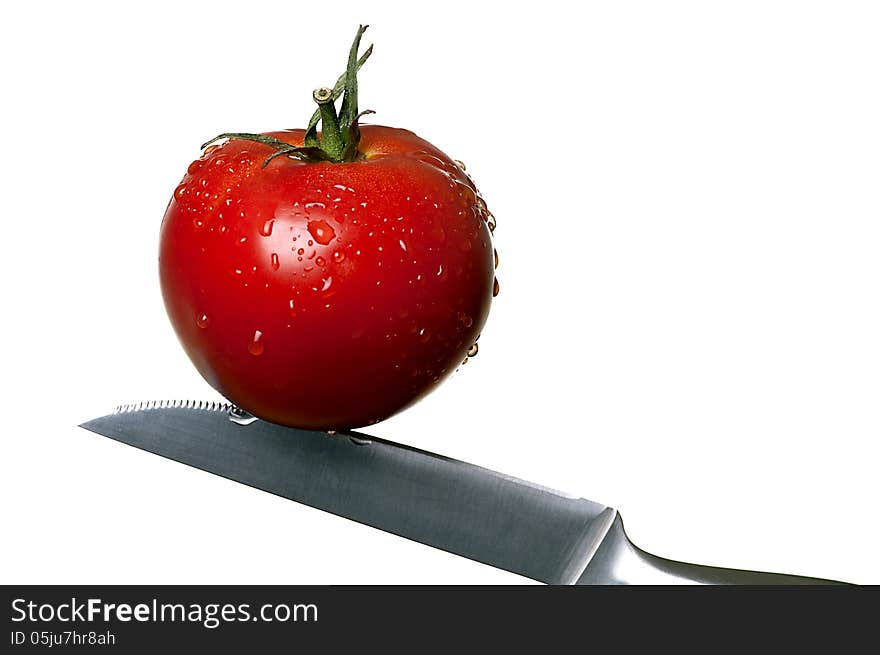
[{"x": 688, "y": 222}]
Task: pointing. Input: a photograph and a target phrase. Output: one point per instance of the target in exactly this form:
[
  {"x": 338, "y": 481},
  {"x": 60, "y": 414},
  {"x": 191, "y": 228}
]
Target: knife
[{"x": 489, "y": 517}]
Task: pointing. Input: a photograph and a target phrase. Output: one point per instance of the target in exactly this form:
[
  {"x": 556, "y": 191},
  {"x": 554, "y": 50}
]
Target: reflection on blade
[{"x": 464, "y": 509}]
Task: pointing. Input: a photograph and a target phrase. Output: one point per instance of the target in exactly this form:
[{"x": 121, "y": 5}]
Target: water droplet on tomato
[
  {"x": 490, "y": 221},
  {"x": 327, "y": 282},
  {"x": 198, "y": 222},
  {"x": 320, "y": 261},
  {"x": 496, "y": 288},
  {"x": 179, "y": 191},
  {"x": 473, "y": 350},
  {"x": 496, "y": 257},
  {"x": 193, "y": 168},
  {"x": 266, "y": 230},
  {"x": 322, "y": 231},
  {"x": 300, "y": 251},
  {"x": 239, "y": 416},
  {"x": 424, "y": 335},
  {"x": 338, "y": 256},
  {"x": 402, "y": 245},
  {"x": 291, "y": 307},
  {"x": 210, "y": 149},
  {"x": 255, "y": 347},
  {"x": 202, "y": 320},
  {"x": 276, "y": 263}
]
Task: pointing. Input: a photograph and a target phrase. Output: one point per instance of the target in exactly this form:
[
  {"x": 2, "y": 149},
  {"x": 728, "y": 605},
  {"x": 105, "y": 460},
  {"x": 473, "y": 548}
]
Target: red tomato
[{"x": 327, "y": 295}]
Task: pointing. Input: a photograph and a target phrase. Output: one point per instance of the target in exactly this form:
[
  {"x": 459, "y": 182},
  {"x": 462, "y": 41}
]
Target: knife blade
[{"x": 489, "y": 517}]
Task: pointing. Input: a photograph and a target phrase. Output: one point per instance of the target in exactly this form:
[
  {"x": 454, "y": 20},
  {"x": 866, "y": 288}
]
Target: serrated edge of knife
[{"x": 146, "y": 405}]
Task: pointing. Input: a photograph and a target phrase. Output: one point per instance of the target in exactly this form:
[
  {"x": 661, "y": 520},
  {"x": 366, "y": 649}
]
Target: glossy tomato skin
[{"x": 321, "y": 295}]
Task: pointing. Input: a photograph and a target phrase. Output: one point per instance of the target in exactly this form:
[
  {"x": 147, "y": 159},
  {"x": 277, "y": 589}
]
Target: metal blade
[{"x": 458, "y": 507}]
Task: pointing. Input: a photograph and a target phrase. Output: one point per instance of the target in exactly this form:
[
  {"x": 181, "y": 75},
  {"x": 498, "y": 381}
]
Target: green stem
[
  {"x": 340, "y": 134},
  {"x": 338, "y": 88},
  {"x": 332, "y": 141}
]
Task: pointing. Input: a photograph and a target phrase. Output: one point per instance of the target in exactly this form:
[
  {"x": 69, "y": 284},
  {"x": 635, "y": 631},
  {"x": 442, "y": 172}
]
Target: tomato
[{"x": 327, "y": 294}]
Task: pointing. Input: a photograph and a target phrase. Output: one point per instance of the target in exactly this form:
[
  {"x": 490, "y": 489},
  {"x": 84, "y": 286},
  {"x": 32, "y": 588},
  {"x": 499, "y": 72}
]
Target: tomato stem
[
  {"x": 340, "y": 133},
  {"x": 338, "y": 88},
  {"x": 332, "y": 141}
]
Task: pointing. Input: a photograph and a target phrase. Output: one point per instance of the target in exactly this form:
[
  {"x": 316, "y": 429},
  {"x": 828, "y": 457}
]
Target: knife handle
[{"x": 618, "y": 561}]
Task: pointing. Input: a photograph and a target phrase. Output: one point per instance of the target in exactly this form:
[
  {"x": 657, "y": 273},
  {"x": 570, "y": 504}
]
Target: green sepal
[
  {"x": 259, "y": 138},
  {"x": 353, "y": 137},
  {"x": 349, "y": 109},
  {"x": 297, "y": 152}
]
